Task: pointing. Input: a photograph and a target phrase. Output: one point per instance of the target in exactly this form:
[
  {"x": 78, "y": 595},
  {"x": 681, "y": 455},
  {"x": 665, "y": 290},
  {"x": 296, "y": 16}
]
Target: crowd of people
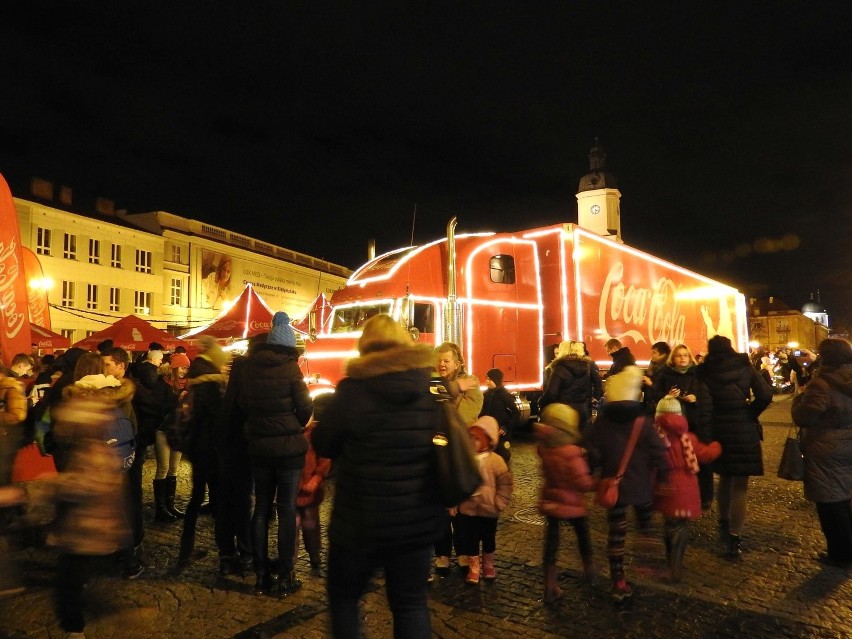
[{"x": 261, "y": 448}]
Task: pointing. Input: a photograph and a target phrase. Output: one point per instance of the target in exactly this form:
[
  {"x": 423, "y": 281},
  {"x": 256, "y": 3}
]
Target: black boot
[
  {"x": 161, "y": 512},
  {"x": 734, "y": 550},
  {"x": 171, "y": 488},
  {"x": 679, "y": 541},
  {"x": 288, "y": 583}
]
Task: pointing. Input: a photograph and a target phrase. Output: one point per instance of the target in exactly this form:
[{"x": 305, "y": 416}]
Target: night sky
[{"x": 318, "y": 126}]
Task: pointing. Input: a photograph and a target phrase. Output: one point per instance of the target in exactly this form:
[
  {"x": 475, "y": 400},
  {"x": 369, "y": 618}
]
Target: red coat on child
[
  {"x": 316, "y": 468},
  {"x": 682, "y": 500}
]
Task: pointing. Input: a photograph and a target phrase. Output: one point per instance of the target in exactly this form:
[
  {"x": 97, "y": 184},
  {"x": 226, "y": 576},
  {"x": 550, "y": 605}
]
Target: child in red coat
[
  {"x": 311, "y": 492},
  {"x": 681, "y": 501},
  {"x": 566, "y": 477}
]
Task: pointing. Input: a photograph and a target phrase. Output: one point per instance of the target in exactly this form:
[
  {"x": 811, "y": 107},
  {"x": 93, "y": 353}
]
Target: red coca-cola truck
[{"x": 505, "y": 297}]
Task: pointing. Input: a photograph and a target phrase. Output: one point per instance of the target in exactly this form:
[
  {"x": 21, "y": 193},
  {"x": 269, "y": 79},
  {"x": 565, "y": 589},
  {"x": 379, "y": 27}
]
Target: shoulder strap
[{"x": 631, "y": 444}]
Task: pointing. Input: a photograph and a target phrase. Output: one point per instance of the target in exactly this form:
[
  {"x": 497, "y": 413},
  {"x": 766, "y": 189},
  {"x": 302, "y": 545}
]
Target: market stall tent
[
  {"x": 131, "y": 333},
  {"x": 315, "y": 317},
  {"x": 45, "y": 339},
  {"x": 248, "y": 316}
]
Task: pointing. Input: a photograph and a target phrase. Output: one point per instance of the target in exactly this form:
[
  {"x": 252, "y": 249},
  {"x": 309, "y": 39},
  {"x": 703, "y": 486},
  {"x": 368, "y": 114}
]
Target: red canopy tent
[
  {"x": 248, "y": 316},
  {"x": 315, "y": 317},
  {"x": 132, "y": 334},
  {"x": 45, "y": 339}
]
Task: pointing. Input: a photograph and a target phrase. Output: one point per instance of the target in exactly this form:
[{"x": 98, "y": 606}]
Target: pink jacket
[
  {"x": 566, "y": 477},
  {"x": 682, "y": 500},
  {"x": 494, "y": 494}
]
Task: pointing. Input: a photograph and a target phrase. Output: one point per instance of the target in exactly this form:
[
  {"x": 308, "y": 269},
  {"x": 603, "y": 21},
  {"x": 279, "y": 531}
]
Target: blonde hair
[
  {"x": 670, "y": 358},
  {"x": 570, "y": 347},
  {"x": 380, "y": 333}
]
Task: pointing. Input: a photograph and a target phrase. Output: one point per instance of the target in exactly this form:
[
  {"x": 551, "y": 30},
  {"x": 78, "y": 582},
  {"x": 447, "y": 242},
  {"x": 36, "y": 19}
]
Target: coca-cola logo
[
  {"x": 257, "y": 325},
  {"x": 653, "y": 314},
  {"x": 10, "y": 270}
]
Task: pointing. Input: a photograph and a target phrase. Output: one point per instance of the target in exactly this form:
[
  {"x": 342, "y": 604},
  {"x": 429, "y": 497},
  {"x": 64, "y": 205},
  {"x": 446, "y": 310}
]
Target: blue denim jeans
[
  {"x": 270, "y": 478},
  {"x": 406, "y": 572}
]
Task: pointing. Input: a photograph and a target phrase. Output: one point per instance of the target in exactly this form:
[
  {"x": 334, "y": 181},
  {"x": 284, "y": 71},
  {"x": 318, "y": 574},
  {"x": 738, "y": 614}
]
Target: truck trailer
[{"x": 504, "y": 298}]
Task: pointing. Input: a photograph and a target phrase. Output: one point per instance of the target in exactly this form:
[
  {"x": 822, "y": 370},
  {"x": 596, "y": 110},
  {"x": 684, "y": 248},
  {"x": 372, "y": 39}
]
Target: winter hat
[
  {"x": 624, "y": 386},
  {"x": 321, "y": 402},
  {"x": 281, "y": 333},
  {"x": 563, "y": 418},
  {"x": 668, "y": 405},
  {"x": 489, "y": 425},
  {"x": 495, "y": 375},
  {"x": 210, "y": 350},
  {"x": 380, "y": 333},
  {"x": 155, "y": 354},
  {"x": 178, "y": 360},
  {"x": 719, "y": 345}
]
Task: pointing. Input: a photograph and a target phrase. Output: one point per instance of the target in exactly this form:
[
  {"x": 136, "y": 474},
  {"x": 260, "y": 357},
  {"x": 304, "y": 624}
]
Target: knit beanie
[
  {"x": 719, "y": 345},
  {"x": 563, "y": 418},
  {"x": 281, "y": 333},
  {"x": 668, "y": 405},
  {"x": 495, "y": 375},
  {"x": 178, "y": 360},
  {"x": 210, "y": 350},
  {"x": 624, "y": 386}
]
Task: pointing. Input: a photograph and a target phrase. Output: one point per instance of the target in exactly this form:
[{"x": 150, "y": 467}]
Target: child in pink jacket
[
  {"x": 681, "y": 501},
  {"x": 476, "y": 521},
  {"x": 566, "y": 477}
]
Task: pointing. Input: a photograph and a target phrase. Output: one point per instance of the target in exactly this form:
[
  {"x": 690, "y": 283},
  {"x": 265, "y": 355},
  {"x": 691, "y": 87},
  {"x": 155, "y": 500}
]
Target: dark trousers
[
  {"x": 203, "y": 478},
  {"x": 271, "y": 478},
  {"x": 232, "y": 514},
  {"x": 835, "y": 519},
  {"x": 472, "y": 531},
  {"x": 705, "y": 484},
  {"x": 551, "y": 540},
  {"x": 133, "y": 490},
  {"x": 444, "y": 545},
  {"x": 406, "y": 572},
  {"x": 72, "y": 574}
]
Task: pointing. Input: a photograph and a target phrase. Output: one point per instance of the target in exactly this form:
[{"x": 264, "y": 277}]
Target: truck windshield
[{"x": 351, "y": 318}]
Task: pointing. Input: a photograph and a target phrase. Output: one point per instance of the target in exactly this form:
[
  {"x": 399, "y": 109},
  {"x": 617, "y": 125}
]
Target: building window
[
  {"x": 114, "y": 299},
  {"x": 91, "y": 296},
  {"x": 67, "y": 293},
  {"x": 142, "y": 303},
  {"x": 502, "y": 269},
  {"x": 94, "y": 251},
  {"x": 176, "y": 290},
  {"x": 69, "y": 251},
  {"x": 176, "y": 254},
  {"x": 115, "y": 259},
  {"x": 43, "y": 241},
  {"x": 143, "y": 261},
  {"x": 69, "y": 333}
]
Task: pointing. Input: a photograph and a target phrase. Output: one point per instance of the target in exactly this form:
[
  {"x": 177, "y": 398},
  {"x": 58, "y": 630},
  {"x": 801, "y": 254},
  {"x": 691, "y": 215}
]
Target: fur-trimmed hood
[
  {"x": 218, "y": 378},
  {"x": 103, "y": 387},
  {"x": 392, "y": 360}
]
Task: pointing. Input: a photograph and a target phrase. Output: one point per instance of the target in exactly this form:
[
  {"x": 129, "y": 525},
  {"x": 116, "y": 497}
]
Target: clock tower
[{"x": 598, "y": 198}]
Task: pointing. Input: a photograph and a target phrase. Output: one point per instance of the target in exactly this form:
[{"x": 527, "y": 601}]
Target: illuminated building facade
[
  {"x": 774, "y": 325},
  {"x": 175, "y": 272}
]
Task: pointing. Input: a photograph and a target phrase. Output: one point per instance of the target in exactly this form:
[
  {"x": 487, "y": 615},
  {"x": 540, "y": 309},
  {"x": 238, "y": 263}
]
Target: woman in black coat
[
  {"x": 739, "y": 395},
  {"x": 677, "y": 379},
  {"x": 275, "y": 402},
  {"x": 378, "y": 429},
  {"x": 573, "y": 381},
  {"x": 824, "y": 411}
]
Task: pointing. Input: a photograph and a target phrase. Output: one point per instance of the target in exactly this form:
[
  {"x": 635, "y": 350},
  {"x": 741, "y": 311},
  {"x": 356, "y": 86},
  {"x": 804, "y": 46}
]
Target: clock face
[{"x": 595, "y": 209}]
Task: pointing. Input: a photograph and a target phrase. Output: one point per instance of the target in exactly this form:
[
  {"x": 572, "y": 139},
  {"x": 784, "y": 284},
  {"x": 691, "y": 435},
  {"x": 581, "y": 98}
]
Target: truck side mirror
[
  {"x": 312, "y": 335},
  {"x": 414, "y": 332}
]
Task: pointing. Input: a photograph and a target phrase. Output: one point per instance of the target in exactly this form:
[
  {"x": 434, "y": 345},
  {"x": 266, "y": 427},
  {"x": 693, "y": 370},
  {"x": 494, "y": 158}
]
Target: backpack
[
  {"x": 178, "y": 423},
  {"x": 120, "y": 436}
]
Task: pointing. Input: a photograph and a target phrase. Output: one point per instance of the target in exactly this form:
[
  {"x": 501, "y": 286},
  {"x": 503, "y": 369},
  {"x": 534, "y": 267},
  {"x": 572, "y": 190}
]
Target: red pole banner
[
  {"x": 14, "y": 316},
  {"x": 36, "y": 290}
]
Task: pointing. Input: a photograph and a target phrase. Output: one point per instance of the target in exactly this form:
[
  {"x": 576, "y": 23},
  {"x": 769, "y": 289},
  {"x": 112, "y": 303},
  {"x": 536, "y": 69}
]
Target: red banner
[
  {"x": 36, "y": 290},
  {"x": 14, "y": 316}
]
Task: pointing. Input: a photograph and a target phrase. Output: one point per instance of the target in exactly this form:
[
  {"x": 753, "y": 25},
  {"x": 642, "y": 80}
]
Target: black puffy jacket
[
  {"x": 276, "y": 404},
  {"x": 739, "y": 395},
  {"x": 378, "y": 429}
]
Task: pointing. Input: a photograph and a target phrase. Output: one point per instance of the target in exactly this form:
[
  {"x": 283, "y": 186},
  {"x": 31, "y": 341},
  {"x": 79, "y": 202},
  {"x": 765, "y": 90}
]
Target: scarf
[{"x": 689, "y": 453}]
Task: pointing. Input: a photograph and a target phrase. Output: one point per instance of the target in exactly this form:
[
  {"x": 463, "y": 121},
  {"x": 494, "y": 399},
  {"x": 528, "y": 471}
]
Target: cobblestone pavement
[{"x": 777, "y": 590}]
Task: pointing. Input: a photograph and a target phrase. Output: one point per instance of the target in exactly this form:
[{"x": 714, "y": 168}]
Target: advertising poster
[
  {"x": 14, "y": 311},
  {"x": 282, "y": 287}
]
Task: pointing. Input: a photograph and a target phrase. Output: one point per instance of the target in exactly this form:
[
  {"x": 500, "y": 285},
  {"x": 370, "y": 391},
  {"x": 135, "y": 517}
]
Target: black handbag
[
  {"x": 792, "y": 464},
  {"x": 456, "y": 466}
]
